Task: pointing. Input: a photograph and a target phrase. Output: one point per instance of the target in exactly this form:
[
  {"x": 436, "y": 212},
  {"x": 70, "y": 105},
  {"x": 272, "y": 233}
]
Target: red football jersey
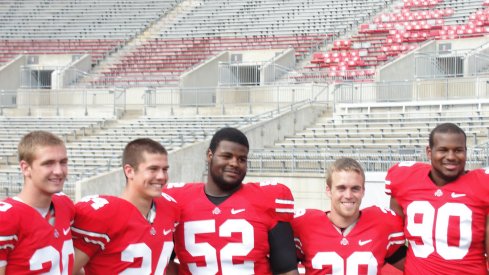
[
  {"x": 323, "y": 249},
  {"x": 119, "y": 240},
  {"x": 231, "y": 238},
  {"x": 445, "y": 226},
  {"x": 29, "y": 244}
]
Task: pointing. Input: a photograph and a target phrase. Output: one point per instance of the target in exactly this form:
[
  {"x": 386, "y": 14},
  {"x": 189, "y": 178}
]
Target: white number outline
[
  {"x": 440, "y": 241},
  {"x": 230, "y": 250}
]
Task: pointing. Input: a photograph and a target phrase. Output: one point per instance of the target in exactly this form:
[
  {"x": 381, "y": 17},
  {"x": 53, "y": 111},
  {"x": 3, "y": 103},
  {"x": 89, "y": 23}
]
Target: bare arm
[
  {"x": 2, "y": 270},
  {"x": 399, "y": 264},
  {"x": 171, "y": 268},
  {"x": 396, "y": 208},
  {"x": 81, "y": 259},
  {"x": 292, "y": 272}
]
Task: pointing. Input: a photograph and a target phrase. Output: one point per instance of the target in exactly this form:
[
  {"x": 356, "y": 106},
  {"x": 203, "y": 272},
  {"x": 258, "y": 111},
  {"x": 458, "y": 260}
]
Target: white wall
[{"x": 310, "y": 190}]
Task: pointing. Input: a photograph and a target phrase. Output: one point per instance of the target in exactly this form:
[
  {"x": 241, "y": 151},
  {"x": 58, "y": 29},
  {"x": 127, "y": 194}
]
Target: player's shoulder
[
  {"x": 165, "y": 201},
  {"x": 304, "y": 218},
  {"x": 482, "y": 174},
  {"x": 384, "y": 217},
  {"x": 268, "y": 187},
  {"x": 407, "y": 170},
  {"x": 375, "y": 210},
  {"x": 303, "y": 214},
  {"x": 62, "y": 199},
  {"x": 182, "y": 189},
  {"x": 99, "y": 206},
  {"x": 408, "y": 167},
  {"x": 10, "y": 212}
]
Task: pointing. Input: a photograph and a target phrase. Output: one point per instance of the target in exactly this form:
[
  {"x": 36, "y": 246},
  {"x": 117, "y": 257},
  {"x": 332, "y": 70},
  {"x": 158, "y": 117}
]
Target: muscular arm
[
  {"x": 397, "y": 259},
  {"x": 396, "y": 208},
  {"x": 81, "y": 259},
  {"x": 283, "y": 259}
]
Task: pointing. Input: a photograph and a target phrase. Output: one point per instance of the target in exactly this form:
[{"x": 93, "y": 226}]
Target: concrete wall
[
  {"x": 204, "y": 75},
  {"x": 270, "y": 72},
  {"x": 310, "y": 190},
  {"x": 10, "y": 73},
  {"x": 188, "y": 163}
]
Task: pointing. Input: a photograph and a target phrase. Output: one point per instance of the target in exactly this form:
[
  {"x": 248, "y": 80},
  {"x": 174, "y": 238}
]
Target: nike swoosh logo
[
  {"x": 166, "y": 231},
  {"x": 66, "y": 231},
  {"x": 455, "y": 195},
  {"x": 362, "y": 243},
  {"x": 236, "y": 211}
]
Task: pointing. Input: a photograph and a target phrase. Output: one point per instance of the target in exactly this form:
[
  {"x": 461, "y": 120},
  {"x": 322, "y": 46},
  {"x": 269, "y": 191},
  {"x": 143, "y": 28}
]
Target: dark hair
[
  {"x": 133, "y": 152},
  {"x": 229, "y": 134},
  {"x": 445, "y": 128},
  {"x": 344, "y": 164}
]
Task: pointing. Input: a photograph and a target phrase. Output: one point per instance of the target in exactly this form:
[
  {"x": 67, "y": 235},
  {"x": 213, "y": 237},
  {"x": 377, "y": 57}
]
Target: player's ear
[
  {"x": 128, "y": 171},
  {"x": 209, "y": 154},
  {"x": 428, "y": 152},
  {"x": 328, "y": 191},
  {"x": 25, "y": 168}
]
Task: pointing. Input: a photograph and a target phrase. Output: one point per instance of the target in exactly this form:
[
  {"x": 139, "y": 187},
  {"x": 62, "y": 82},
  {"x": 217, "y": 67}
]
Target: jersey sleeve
[
  {"x": 483, "y": 187},
  {"x": 393, "y": 224},
  {"x": 9, "y": 222},
  {"x": 90, "y": 226},
  {"x": 172, "y": 211},
  {"x": 67, "y": 204},
  {"x": 177, "y": 190},
  {"x": 297, "y": 223},
  {"x": 398, "y": 174},
  {"x": 280, "y": 200}
]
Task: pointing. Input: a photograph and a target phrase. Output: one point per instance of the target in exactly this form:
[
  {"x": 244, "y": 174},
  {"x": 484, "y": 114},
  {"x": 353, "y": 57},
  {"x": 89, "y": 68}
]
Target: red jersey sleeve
[
  {"x": 280, "y": 200},
  {"x": 8, "y": 230},
  {"x": 399, "y": 173},
  {"x": 393, "y": 225},
  {"x": 91, "y": 224}
]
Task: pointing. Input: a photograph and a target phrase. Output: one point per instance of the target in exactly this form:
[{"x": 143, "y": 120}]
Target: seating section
[
  {"x": 377, "y": 137},
  {"x": 161, "y": 61},
  {"x": 97, "y": 48},
  {"x": 391, "y": 34},
  {"x": 74, "y": 27},
  {"x": 95, "y": 145},
  {"x": 219, "y": 25}
]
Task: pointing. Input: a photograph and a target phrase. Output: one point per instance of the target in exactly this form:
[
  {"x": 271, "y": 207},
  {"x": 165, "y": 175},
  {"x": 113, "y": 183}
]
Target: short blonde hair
[
  {"x": 344, "y": 164},
  {"x": 33, "y": 140}
]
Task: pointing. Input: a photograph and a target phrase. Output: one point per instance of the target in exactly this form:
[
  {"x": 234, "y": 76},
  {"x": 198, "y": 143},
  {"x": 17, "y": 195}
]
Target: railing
[
  {"x": 304, "y": 161},
  {"x": 417, "y": 90},
  {"x": 451, "y": 64},
  {"x": 251, "y": 73}
]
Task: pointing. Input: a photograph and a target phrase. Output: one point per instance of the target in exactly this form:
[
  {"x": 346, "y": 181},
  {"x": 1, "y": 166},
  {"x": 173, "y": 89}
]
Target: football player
[
  {"x": 347, "y": 240},
  {"x": 444, "y": 207},
  {"x": 229, "y": 227},
  {"x": 35, "y": 235},
  {"x": 130, "y": 234}
]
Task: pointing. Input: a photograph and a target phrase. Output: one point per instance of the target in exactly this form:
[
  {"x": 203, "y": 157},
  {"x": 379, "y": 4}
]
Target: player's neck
[
  {"x": 35, "y": 198},
  {"x": 142, "y": 204},
  {"x": 213, "y": 190},
  {"x": 343, "y": 223}
]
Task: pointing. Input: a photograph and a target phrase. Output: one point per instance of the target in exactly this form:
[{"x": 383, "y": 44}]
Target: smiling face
[
  {"x": 47, "y": 172},
  {"x": 448, "y": 155},
  {"x": 346, "y": 193},
  {"x": 227, "y": 168},
  {"x": 150, "y": 176}
]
